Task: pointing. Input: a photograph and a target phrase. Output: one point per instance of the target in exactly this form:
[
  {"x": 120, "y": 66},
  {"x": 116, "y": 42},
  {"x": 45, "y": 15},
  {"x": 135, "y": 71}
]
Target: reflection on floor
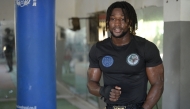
[
  {"x": 60, "y": 104},
  {"x": 65, "y": 98}
]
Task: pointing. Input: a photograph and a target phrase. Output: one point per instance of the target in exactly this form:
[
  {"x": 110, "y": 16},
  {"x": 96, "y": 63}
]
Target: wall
[
  {"x": 7, "y": 10},
  {"x": 176, "y": 54},
  {"x": 85, "y": 7},
  {"x": 65, "y": 9},
  {"x": 176, "y": 10},
  {"x": 6, "y": 15}
]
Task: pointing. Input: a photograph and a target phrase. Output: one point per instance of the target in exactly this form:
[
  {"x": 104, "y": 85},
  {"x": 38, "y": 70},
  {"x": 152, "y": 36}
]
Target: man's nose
[{"x": 118, "y": 22}]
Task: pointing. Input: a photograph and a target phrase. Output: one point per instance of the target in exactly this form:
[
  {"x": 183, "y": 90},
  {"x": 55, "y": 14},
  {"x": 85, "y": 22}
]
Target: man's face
[{"x": 118, "y": 26}]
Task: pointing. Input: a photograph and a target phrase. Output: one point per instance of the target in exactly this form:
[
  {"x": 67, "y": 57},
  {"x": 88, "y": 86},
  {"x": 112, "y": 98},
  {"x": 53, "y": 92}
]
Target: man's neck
[{"x": 122, "y": 41}]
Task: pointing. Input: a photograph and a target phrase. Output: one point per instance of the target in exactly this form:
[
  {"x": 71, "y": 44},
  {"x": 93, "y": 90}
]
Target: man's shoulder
[
  {"x": 103, "y": 42},
  {"x": 139, "y": 39}
]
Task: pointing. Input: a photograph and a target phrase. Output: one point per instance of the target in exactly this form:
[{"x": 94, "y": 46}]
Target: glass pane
[
  {"x": 151, "y": 27},
  {"x": 8, "y": 70},
  {"x": 72, "y": 65}
]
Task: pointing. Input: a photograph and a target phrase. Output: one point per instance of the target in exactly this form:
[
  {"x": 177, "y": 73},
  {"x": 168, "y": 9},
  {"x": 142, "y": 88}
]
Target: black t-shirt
[{"x": 125, "y": 66}]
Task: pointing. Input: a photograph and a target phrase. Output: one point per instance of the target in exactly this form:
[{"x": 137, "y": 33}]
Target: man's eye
[
  {"x": 122, "y": 19},
  {"x": 112, "y": 19}
]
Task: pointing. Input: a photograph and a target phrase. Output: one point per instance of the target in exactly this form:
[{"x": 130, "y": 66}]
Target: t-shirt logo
[
  {"x": 107, "y": 61},
  {"x": 133, "y": 59}
]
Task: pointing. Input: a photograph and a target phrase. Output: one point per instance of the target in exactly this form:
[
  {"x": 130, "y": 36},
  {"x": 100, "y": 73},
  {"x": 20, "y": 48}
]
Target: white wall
[
  {"x": 65, "y": 9},
  {"x": 85, "y": 7},
  {"x": 176, "y": 10},
  {"x": 6, "y": 10},
  {"x": 6, "y": 16},
  {"x": 185, "y": 11}
]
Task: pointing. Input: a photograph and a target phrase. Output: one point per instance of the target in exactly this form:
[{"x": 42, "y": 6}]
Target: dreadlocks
[{"x": 128, "y": 11}]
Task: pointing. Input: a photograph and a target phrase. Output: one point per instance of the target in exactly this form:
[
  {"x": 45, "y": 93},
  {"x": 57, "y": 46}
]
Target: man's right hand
[
  {"x": 111, "y": 93},
  {"x": 115, "y": 94}
]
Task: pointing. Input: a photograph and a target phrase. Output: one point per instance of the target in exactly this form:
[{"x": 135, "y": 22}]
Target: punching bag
[{"x": 35, "y": 52}]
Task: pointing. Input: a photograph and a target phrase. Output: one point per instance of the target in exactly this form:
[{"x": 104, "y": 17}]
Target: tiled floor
[{"x": 5, "y": 78}]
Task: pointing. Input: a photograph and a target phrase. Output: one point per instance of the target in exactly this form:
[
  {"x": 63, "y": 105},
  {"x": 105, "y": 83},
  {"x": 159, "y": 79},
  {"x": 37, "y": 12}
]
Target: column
[{"x": 176, "y": 54}]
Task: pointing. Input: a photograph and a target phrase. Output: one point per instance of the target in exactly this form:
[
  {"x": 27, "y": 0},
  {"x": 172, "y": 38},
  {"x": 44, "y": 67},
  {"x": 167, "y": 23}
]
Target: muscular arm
[
  {"x": 156, "y": 79},
  {"x": 94, "y": 75}
]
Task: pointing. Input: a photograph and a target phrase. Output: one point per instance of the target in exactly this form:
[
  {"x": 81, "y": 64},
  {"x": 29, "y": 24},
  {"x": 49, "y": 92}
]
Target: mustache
[
  {"x": 118, "y": 28},
  {"x": 120, "y": 36}
]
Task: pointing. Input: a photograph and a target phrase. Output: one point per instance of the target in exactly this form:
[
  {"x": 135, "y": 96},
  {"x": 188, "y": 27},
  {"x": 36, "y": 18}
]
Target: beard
[{"x": 121, "y": 35}]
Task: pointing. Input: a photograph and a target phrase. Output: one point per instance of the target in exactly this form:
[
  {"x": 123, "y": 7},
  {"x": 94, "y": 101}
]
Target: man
[
  {"x": 8, "y": 47},
  {"x": 127, "y": 62}
]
